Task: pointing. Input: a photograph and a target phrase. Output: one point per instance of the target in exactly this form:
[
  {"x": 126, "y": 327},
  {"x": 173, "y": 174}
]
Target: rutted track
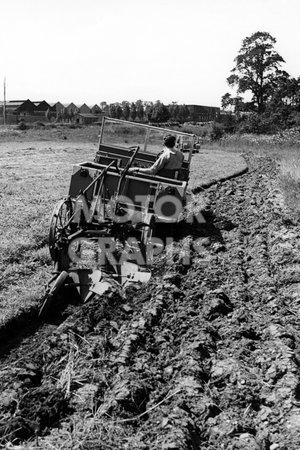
[{"x": 205, "y": 357}]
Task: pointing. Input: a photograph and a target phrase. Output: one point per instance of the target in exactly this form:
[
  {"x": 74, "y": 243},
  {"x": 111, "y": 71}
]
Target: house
[
  {"x": 57, "y": 107},
  {"x": 84, "y": 109},
  {"x": 199, "y": 113},
  {"x": 19, "y": 107},
  {"x": 72, "y": 109},
  {"x": 41, "y": 107},
  {"x": 95, "y": 109},
  {"x": 16, "y": 110}
]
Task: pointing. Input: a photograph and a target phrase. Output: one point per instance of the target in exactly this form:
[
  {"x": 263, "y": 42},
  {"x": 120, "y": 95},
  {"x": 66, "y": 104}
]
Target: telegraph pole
[{"x": 4, "y": 103}]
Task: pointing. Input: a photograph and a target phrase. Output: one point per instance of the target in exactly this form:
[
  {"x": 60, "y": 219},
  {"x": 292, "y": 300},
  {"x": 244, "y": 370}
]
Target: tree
[
  {"x": 139, "y": 110},
  {"x": 133, "y": 112},
  {"x": 297, "y": 95},
  {"x": 160, "y": 112},
  {"x": 174, "y": 111},
  {"x": 227, "y": 101},
  {"x": 148, "y": 109},
  {"x": 112, "y": 110},
  {"x": 105, "y": 108},
  {"x": 183, "y": 113},
  {"x": 286, "y": 92},
  {"x": 119, "y": 111},
  {"x": 234, "y": 104},
  {"x": 115, "y": 110},
  {"x": 125, "y": 110},
  {"x": 284, "y": 104},
  {"x": 257, "y": 66},
  {"x": 239, "y": 105}
]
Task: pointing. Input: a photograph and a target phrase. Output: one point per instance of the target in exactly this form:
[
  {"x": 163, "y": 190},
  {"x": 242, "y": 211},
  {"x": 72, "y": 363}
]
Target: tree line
[
  {"x": 274, "y": 95},
  {"x": 146, "y": 111}
]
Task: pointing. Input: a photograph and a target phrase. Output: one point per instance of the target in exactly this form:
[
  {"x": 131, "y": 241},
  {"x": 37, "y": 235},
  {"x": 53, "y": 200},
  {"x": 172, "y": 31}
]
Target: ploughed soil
[{"x": 206, "y": 356}]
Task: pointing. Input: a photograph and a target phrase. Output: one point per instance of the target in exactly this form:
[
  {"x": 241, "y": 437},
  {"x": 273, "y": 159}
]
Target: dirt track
[{"x": 205, "y": 357}]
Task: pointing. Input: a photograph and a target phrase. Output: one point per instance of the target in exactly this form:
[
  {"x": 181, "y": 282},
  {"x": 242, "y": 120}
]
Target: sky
[{"x": 88, "y": 51}]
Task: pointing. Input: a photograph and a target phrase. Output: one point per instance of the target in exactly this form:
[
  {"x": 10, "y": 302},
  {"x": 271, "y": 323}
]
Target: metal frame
[
  {"x": 89, "y": 282},
  {"x": 147, "y": 127}
]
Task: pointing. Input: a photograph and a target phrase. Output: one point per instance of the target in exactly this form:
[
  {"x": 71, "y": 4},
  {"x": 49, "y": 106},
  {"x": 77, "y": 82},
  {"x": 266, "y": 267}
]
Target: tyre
[{"x": 59, "y": 225}]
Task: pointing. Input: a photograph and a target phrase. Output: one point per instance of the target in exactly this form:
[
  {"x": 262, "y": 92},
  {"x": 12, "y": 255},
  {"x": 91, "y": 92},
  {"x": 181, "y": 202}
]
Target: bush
[
  {"x": 261, "y": 124},
  {"x": 294, "y": 120},
  {"x": 229, "y": 122},
  {"x": 22, "y": 125},
  {"x": 217, "y": 132}
]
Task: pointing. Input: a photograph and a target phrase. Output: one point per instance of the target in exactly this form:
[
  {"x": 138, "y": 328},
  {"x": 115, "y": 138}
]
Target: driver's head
[{"x": 169, "y": 140}]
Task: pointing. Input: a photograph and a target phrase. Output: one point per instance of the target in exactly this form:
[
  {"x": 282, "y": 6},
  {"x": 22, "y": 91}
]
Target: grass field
[
  {"x": 33, "y": 176},
  {"x": 35, "y": 170},
  {"x": 211, "y": 165}
]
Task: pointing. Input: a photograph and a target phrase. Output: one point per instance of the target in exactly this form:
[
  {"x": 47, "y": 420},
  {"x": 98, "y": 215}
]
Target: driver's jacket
[{"x": 170, "y": 159}]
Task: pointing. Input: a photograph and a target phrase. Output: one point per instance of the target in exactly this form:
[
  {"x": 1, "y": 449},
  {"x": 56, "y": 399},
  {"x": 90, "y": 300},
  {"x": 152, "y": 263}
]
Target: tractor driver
[{"x": 170, "y": 159}]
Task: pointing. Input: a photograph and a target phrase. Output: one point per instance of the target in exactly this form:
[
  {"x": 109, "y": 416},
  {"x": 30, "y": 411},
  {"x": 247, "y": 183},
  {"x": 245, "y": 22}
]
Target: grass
[
  {"x": 280, "y": 142},
  {"x": 51, "y": 132},
  {"x": 212, "y": 164},
  {"x": 33, "y": 177}
]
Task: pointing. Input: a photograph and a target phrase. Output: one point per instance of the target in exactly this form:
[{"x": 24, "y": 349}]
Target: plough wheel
[
  {"x": 59, "y": 227},
  {"x": 51, "y": 296}
]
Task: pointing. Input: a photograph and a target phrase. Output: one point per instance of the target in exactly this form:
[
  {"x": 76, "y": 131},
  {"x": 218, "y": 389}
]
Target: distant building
[
  {"x": 57, "y": 107},
  {"x": 199, "y": 113},
  {"x": 16, "y": 110},
  {"x": 41, "y": 107},
  {"x": 95, "y": 109},
  {"x": 84, "y": 109},
  {"x": 20, "y": 107},
  {"x": 72, "y": 108}
]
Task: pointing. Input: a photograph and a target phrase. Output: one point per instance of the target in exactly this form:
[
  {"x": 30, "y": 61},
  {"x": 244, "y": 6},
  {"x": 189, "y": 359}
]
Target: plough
[{"x": 110, "y": 213}]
